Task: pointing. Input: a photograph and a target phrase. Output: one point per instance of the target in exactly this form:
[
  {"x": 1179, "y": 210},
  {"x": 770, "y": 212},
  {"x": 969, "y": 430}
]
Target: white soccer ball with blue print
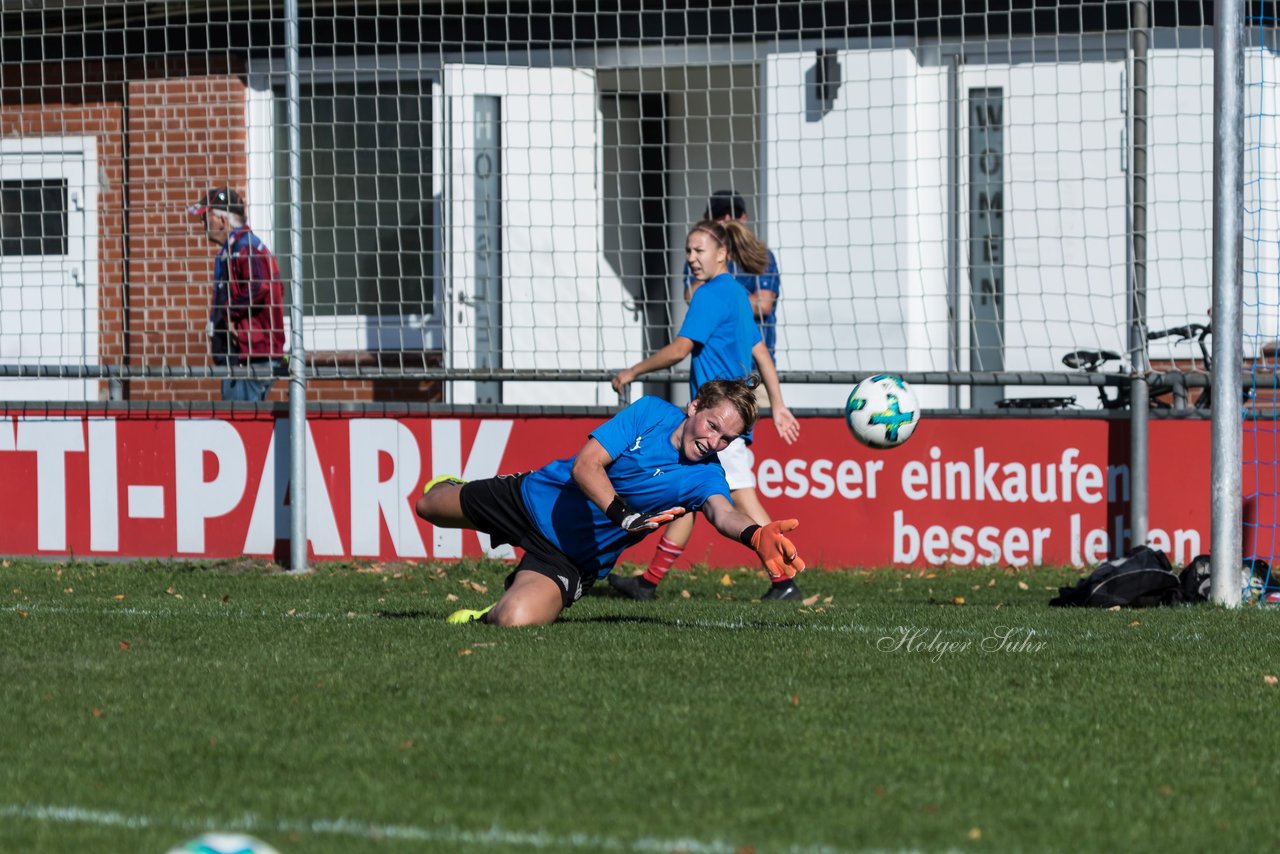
[
  {"x": 224, "y": 843},
  {"x": 882, "y": 411}
]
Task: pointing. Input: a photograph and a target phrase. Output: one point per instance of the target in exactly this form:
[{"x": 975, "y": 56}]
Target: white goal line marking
[
  {"x": 243, "y": 614},
  {"x": 1189, "y": 634},
  {"x": 494, "y": 836}
]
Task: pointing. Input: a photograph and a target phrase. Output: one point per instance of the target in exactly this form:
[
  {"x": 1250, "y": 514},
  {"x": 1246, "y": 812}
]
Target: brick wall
[{"x": 165, "y": 134}]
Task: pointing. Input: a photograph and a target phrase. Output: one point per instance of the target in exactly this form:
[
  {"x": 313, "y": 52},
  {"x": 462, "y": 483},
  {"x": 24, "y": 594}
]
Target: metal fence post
[{"x": 297, "y": 352}]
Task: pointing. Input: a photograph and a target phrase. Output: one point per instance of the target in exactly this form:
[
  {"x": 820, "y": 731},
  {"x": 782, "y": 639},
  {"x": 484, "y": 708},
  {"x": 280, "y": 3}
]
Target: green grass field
[{"x": 143, "y": 704}]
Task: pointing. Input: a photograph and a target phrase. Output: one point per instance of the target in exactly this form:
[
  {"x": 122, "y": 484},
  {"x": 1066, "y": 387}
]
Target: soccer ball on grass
[
  {"x": 882, "y": 411},
  {"x": 223, "y": 843}
]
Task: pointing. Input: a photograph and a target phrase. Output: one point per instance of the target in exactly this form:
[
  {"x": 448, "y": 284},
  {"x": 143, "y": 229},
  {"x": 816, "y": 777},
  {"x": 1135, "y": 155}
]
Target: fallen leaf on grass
[
  {"x": 5, "y": 564},
  {"x": 957, "y": 600},
  {"x": 1022, "y": 585},
  {"x": 828, "y": 600},
  {"x": 1135, "y": 624},
  {"x": 476, "y": 586},
  {"x": 684, "y": 594},
  {"x": 726, "y": 581},
  {"x": 97, "y": 713},
  {"x": 1167, "y": 791},
  {"x": 1268, "y": 679},
  {"x": 24, "y": 614},
  {"x": 991, "y": 583},
  {"x": 68, "y": 590},
  {"x": 810, "y": 600},
  {"x": 975, "y": 833},
  {"x": 406, "y": 744},
  {"x": 1114, "y": 608},
  {"x": 123, "y": 646},
  {"x": 291, "y": 612},
  {"x": 118, "y": 597},
  {"x": 795, "y": 699},
  {"x": 464, "y": 651}
]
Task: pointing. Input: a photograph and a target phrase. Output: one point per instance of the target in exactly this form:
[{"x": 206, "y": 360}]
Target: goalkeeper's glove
[
  {"x": 634, "y": 522},
  {"x": 777, "y": 553}
]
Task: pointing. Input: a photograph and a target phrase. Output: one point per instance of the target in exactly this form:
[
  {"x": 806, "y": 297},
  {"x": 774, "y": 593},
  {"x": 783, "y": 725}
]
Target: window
[
  {"x": 33, "y": 217},
  {"x": 367, "y": 198}
]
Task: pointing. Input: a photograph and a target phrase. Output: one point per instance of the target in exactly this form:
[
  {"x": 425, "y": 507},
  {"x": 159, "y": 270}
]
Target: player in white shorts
[{"x": 721, "y": 335}]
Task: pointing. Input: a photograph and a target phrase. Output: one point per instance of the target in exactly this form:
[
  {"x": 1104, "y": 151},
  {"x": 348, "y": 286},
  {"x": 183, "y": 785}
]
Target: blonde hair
[
  {"x": 741, "y": 393},
  {"x": 740, "y": 242}
]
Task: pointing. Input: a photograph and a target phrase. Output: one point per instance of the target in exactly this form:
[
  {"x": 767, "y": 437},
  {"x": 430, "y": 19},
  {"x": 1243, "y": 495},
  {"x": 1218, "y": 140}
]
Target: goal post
[{"x": 1228, "y": 232}]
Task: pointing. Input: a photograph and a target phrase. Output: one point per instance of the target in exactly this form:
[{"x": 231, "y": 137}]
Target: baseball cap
[
  {"x": 218, "y": 199},
  {"x": 725, "y": 203}
]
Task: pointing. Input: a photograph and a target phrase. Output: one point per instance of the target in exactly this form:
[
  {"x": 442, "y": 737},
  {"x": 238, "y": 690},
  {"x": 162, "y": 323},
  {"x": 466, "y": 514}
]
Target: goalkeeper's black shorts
[{"x": 496, "y": 506}]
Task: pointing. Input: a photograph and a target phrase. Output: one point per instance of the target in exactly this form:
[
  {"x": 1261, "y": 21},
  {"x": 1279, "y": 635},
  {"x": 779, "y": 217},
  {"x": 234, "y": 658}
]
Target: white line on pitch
[
  {"x": 493, "y": 836},
  {"x": 1176, "y": 633}
]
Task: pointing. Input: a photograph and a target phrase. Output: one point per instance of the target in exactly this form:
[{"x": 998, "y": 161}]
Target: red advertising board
[{"x": 962, "y": 491}]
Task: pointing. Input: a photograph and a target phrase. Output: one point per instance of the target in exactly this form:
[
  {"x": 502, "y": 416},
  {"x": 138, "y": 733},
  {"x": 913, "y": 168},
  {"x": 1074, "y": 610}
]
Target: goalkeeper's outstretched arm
[
  {"x": 779, "y": 555},
  {"x": 589, "y": 472}
]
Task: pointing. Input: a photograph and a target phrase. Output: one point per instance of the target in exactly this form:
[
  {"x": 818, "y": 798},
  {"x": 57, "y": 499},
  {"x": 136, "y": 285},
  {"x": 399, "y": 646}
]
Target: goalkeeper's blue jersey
[{"x": 646, "y": 470}]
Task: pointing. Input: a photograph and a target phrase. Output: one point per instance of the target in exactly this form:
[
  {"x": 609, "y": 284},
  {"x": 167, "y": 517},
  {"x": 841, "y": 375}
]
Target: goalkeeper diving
[{"x": 649, "y": 464}]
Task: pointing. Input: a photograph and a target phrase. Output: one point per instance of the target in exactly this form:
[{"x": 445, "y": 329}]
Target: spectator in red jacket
[{"x": 246, "y": 320}]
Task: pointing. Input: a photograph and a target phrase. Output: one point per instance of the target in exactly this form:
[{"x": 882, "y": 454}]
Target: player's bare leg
[
  {"x": 531, "y": 600},
  {"x": 747, "y": 500},
  {"x": 441, "y": 504}
]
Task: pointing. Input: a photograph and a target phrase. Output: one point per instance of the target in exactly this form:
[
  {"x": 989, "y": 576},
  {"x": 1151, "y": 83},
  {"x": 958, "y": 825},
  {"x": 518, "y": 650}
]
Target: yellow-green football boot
[
  {"x": 467, "y": 615},
  {"x": 441, "y": 478}
]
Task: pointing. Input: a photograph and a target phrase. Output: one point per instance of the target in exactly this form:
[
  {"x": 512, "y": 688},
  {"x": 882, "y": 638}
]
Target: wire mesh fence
[{"x": 494, "y": 200}]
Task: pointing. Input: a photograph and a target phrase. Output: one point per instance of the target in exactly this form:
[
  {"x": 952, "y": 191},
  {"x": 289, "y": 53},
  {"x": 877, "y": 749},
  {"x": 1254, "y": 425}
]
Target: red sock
[{"x": 666, "y": 555}]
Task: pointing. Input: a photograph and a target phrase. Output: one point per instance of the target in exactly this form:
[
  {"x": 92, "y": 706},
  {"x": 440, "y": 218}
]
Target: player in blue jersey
[
  {"x": 720, "y": 334},
  {"x": 764, "y": 289},
  {"x": 649, "y": 464}
]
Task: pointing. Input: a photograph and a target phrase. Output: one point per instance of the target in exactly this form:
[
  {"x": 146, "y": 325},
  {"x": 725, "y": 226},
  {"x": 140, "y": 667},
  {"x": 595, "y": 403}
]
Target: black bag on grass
[
  {"x": 1195, "y": 580},
  {"x": 1255, "y": 574},
  {"x": 1140, "y": 579}
]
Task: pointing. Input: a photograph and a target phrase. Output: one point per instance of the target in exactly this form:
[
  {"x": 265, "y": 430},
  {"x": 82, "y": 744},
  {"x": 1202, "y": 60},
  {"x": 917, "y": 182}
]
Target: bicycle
[{"x": 1118, "y": 396}]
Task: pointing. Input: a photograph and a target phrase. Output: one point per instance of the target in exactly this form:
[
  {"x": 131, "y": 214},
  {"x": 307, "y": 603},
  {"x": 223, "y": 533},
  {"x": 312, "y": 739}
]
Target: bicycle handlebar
[{"x": 1197, "y": 331}]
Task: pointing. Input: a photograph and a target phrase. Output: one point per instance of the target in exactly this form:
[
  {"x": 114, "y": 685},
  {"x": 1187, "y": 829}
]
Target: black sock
[
  {"x": 644, "y": 582},
  {"x": 782, "y": 582}
]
